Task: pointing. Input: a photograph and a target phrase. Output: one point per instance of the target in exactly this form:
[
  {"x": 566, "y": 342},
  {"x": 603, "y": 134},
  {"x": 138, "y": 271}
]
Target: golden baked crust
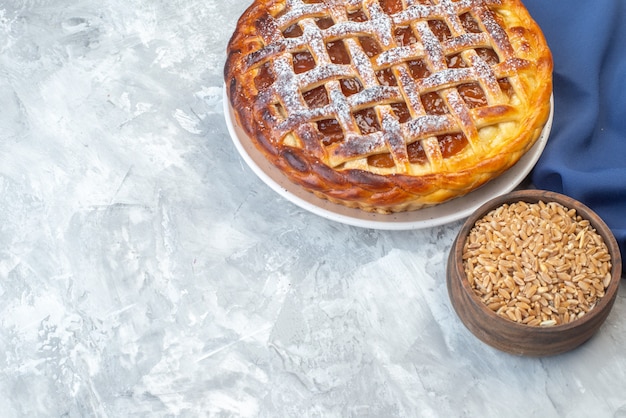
[{"x": 390, "y": 105}]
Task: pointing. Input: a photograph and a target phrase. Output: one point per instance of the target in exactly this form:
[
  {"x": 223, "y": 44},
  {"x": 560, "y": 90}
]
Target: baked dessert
[{"x": 390, "y": 105}]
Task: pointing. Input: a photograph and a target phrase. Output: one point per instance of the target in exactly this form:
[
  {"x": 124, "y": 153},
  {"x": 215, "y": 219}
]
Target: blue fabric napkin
[{"x": 585, "y": 157}]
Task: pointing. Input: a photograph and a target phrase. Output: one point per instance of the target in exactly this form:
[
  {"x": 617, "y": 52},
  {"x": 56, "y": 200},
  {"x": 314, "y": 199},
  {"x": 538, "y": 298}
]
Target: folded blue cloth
[{"x": 585, "y": 157}]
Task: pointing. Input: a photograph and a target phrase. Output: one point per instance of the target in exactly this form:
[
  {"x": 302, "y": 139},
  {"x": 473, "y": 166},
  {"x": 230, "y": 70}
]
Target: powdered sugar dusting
[
  {"x": 394, "y": 58},
  {"x": 400, "y": 55}
]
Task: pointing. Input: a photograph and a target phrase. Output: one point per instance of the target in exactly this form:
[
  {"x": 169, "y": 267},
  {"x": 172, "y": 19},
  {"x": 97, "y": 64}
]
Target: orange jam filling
[
  {"x": 293, "y": 31},
  {"x": 417, "y": 155},
  {"x": 367, "y": 121},
  {"x": 391, "y": 6},
  {"x": 381, "y": 161},
  {"x": 338, "y": 52},
  {"x": 357, "y": 16},
  {"x": 473, "y": 95},
  {"x": 324, "y": 22},
  {"x": 401, "y": 110},
  {"x": 434, "y": 104},
  {"x": 303, "y": 62},
  {"x": 386, "y": 78},
  {"x": 350, "y": 86},
  {"x": 316, "y": 98},
  {"x": 488, "y": 55},
  {"x": 370, "y": 46},
  {"x": 418, "y": 69},
  {"x": 331, "y": 130},
  {"x": 451, "y": 144},
  {"x": 469, "y": 23},
  {"x": 456, "y": 61},
  {"x": 265, "y": 77},
  {"x": 506, "y": 87},
  {"x": 405, "y": 36},
  {"x": 440, "y": 29}
]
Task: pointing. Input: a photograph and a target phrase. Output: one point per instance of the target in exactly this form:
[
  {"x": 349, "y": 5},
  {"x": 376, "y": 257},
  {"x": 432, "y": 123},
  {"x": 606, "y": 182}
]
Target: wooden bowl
[{"x": 518, "y": 338}]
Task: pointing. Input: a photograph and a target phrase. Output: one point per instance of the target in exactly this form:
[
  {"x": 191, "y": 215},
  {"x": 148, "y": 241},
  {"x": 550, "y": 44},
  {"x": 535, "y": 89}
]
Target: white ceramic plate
[{"x": 444, "y": 213}]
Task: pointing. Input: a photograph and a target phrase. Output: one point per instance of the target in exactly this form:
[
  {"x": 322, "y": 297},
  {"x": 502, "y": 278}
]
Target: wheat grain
[{"x": 539, "y": 264}]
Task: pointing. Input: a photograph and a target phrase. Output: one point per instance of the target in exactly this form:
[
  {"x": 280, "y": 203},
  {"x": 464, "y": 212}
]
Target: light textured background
[{"x": 145, "y": 271}]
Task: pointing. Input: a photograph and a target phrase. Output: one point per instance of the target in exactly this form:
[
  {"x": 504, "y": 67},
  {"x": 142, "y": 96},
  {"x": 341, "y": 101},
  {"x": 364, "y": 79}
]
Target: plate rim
[{"x": 423, "y": 218}]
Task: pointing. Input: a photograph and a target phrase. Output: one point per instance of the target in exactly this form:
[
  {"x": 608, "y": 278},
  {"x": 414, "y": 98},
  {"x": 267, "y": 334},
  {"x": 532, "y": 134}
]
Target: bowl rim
[{"x": 533, "y": 196}]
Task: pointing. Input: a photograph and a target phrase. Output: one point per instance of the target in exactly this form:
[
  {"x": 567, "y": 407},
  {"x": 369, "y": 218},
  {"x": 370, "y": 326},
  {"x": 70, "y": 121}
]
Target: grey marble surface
[{"x": 146, "y": 271}]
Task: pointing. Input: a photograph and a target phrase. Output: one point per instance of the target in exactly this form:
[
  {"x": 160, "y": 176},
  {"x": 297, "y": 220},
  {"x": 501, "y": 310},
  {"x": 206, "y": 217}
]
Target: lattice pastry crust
[{"x": 390, "y": 105}]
